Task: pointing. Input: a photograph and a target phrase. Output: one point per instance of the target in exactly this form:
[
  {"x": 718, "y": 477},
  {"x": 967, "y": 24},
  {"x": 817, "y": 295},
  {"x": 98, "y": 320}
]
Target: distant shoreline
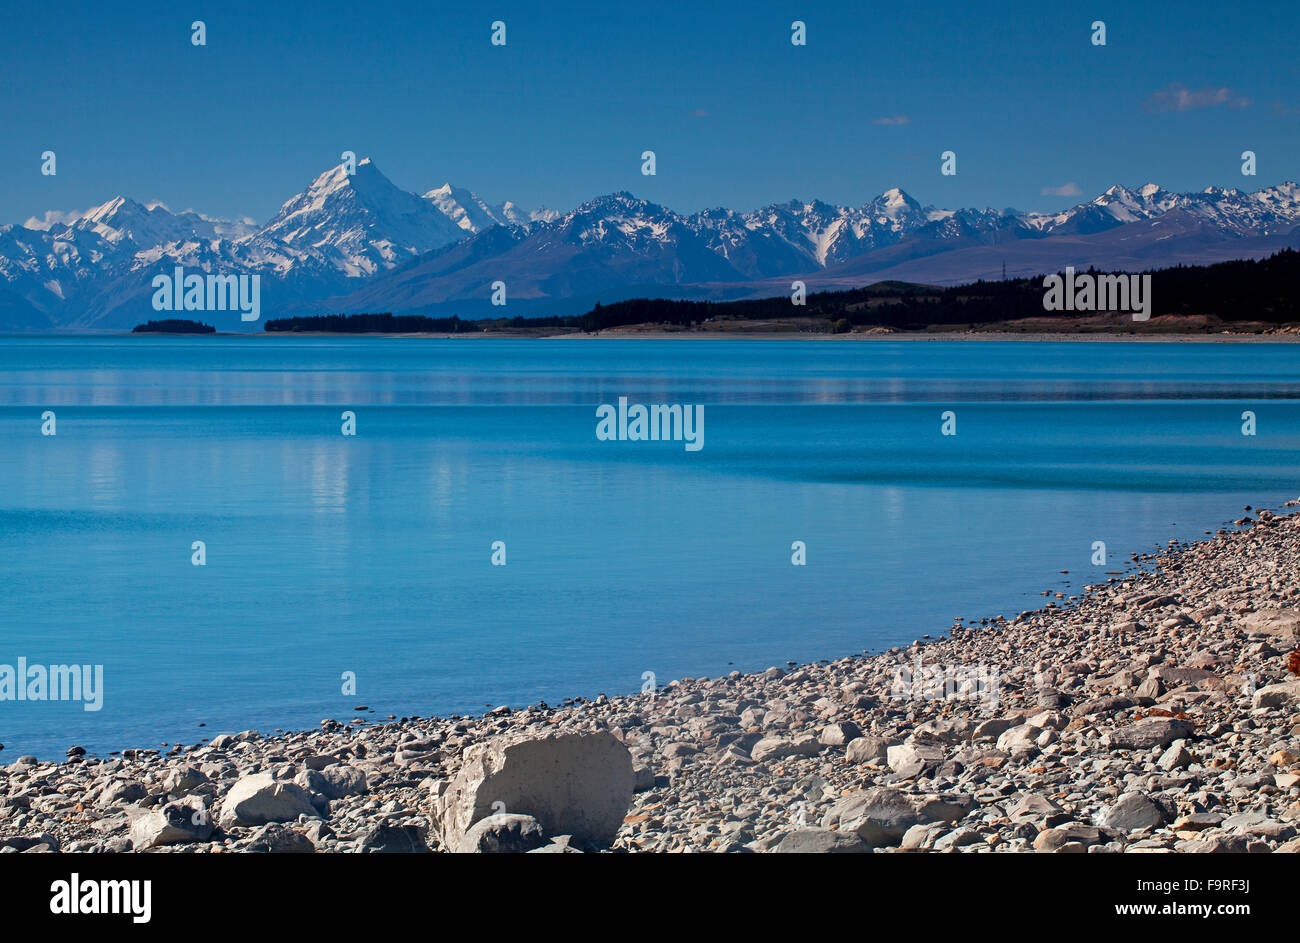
[{"x": 1038, "y": 337}]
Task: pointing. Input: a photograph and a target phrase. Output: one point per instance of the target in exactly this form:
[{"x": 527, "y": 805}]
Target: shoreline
[
  {"x": 1153, "y": 712},
  {"x": 977, "y": 336},
  {"x": 618, "y": 334}
]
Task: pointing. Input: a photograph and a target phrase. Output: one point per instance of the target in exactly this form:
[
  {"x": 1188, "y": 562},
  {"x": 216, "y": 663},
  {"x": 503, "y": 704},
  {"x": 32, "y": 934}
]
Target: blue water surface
[{"x": 372, "y": 554}]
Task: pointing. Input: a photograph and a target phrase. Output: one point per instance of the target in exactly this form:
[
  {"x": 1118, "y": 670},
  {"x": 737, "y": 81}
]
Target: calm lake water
[{"x": 371, "y": 554}]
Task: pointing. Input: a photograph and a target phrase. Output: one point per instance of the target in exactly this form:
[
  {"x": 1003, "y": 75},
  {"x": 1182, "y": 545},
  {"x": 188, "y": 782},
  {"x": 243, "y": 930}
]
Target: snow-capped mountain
[
  {"x": 355, "y": 241},
  {"x": 1264, "y": 212},
  {"x": 94, "y": 269},
  {"x": 122, "y": 219},
  {"x": 360, "y": 222},
  {"x": 619, "y": 246},
  {"x": 468, "y": 211}
]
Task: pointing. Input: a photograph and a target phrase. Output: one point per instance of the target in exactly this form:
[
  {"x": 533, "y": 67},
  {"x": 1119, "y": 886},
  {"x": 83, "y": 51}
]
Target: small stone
[
  {"x": 820, "y": 841},
  {"x": 1176, "y": 757},
  {"x": 503, "y": 833},
  {"x": 840, "y": 734},
  {"x": 1132, "y": 812},
  {"x": 867, "y": 749},
  {"x": 280, "y": 840},
  {"x": 1053, "y": 839},
  {"x": 180, "y": 822}
]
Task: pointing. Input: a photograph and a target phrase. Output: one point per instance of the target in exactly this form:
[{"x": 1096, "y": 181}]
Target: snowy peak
[
  {"x": 359, "y": 223},
  {"x": 124, "y": 222},
  {"x": 1126, "y": 206},
  {"x": 1230, "y": 210},
  {"x": 473, "y": 214},
  {"x": 895, "y": 204},
  {"x": 463, "y": 208},
  {"x": 618, "y": 220},
  {"x": 364, "y": 190}
]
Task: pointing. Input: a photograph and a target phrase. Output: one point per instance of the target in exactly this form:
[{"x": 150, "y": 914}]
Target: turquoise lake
[{"x": 372, "y": 553}]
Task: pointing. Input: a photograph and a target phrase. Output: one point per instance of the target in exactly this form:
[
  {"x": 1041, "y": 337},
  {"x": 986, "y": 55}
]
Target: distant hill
[{"x": 1248, "y": 295}]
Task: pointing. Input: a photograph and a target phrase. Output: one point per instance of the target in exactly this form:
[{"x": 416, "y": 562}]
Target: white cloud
[
  {"x": 1178, "y": 97},
  {"x": 54, "y": 218}
]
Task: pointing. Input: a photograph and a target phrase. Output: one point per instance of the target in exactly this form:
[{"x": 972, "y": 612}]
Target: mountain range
[{"x": 354, "y": 242}]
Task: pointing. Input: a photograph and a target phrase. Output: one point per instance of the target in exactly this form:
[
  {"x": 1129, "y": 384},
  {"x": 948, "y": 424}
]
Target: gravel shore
[{"x": 1156, "y": 712}]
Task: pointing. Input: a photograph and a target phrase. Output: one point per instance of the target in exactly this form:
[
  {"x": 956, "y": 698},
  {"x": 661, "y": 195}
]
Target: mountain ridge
[{"x": 356, "y": 241}]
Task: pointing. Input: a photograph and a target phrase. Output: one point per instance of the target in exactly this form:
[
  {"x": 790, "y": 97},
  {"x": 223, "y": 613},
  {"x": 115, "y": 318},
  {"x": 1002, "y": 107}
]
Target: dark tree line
[
  {"x": 1263, "y": 290},
  {"x": 383, "y": 323}
]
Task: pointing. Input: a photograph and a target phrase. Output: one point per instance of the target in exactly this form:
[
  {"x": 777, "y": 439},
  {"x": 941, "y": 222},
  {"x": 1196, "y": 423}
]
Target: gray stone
[
  {"x": 958, "y": 838},
  {"x": 773, "y": 748},
  {"x": 867, "y": 749},
  {"x": 503, "y": 834},
  {"x": 1176, "y": 757},
  {"x": 573, "y": 784},
  {"x": 1020, "y": 740},
  {"x": 1149, "y": 733},
  {"x": 643, "y": 777},
  {"x": 994, "y": 727},
  {"x": 334, "y": 782},
  {"x": 1273, "y": 623},
  {"x": 259, "y": 798},
  {"x": 184, "y": 779},
  {"x": 1133, "y": 811},
  {"x": 909, "y": 760},
  {"x": 121, "y": 792},
  {"x": 1033, "y": 808},
  {"x": 390, "y": 839},
  {"x": 1277, "y": 695},
  {"x": 880, "y": 815},
  {"x": 176, "y": 823},
  {"x": 278, "y": 839},
  {"x": 820, "y": 841},
  {"x": 840, "y": 734},
  {"x": 1081, "y": 836}
]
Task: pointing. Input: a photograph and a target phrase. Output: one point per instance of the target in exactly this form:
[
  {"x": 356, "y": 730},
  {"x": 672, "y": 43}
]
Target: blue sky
[{"x": 736, "y": 115}]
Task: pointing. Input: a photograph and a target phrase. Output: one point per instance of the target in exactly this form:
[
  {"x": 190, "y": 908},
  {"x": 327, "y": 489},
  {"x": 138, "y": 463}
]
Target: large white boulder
[
  {"x": 260, "y": 798},
  {"x": 176, "y": 823},
  {"x": 576, "y": 784}
]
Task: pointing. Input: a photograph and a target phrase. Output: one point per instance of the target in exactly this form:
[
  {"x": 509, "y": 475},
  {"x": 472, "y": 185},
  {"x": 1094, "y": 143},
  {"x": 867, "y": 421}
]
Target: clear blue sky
[{"x": 737, "y": 115}]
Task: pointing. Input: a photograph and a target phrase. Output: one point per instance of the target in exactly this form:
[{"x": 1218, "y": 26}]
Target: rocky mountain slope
[{"x": 356, "y": 242}]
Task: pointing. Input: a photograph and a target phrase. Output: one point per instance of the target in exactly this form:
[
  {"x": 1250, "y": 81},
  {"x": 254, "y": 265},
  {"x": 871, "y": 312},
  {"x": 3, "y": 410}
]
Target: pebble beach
[{"x": 1155, "y": 712}]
